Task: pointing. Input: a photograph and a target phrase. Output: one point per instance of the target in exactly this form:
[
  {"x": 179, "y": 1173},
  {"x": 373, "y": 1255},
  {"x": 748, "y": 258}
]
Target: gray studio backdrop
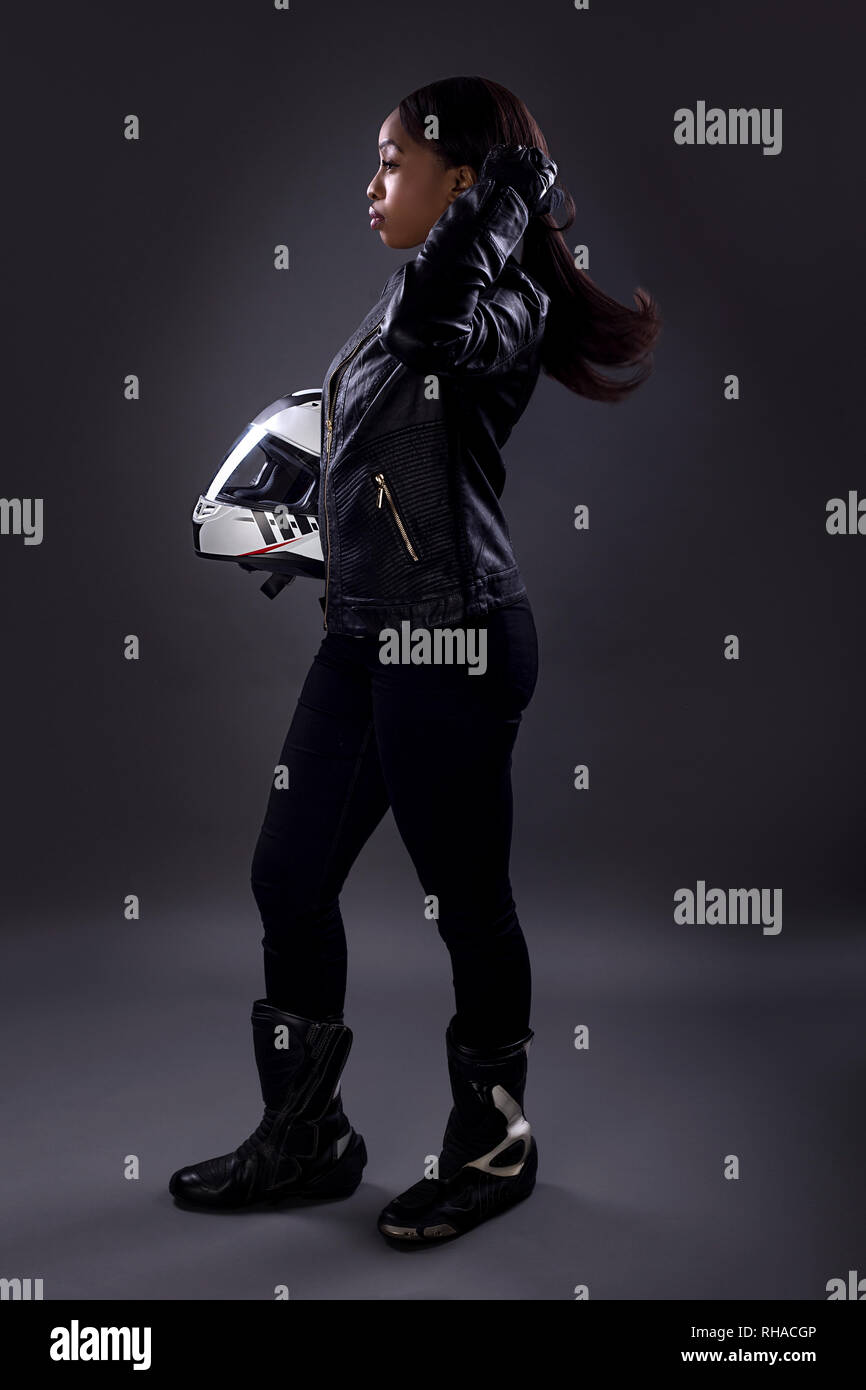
[{"x": 707, "y": 519}]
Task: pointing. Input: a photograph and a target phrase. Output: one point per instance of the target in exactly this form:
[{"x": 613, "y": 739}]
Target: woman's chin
[{"x": 399, "y": 243}]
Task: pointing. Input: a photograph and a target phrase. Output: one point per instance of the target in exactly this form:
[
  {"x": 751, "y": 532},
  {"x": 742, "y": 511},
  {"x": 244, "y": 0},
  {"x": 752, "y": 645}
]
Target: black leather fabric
[{"x": 425, "y": 393}]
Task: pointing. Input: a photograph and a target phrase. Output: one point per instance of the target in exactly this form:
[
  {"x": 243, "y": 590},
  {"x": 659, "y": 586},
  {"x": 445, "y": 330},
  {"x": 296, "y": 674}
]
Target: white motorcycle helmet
[{"x": 261, "y": 510}]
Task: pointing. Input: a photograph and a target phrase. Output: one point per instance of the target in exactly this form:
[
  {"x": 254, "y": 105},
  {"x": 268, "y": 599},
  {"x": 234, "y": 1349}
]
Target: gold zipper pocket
[{"x": 379, "y": 480}]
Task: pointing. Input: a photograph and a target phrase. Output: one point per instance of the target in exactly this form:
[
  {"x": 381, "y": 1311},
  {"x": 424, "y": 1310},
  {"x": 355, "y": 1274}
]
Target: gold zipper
[
  {"x": 379, "y": 479},
  {"x": 330, "y": 425}
]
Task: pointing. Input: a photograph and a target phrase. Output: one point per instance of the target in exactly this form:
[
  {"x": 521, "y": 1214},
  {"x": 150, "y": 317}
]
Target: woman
[{"x": 415, "y": 408}]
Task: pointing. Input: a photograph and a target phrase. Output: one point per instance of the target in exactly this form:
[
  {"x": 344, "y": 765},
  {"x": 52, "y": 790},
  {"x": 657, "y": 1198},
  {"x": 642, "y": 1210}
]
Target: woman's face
[{"x": 410, "y": 190}]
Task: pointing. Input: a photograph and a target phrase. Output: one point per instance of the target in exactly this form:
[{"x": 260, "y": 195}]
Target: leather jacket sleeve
[{"x": 448, "y": 316}]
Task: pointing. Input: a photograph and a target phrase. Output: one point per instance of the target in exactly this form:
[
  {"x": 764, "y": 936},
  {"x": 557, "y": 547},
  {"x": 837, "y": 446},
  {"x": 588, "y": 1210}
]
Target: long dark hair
[{"x": 584, "y": 325}]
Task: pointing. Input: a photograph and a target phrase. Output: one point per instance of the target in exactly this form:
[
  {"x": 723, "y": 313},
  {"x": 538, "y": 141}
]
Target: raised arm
[{"x": 448, "y": 316}]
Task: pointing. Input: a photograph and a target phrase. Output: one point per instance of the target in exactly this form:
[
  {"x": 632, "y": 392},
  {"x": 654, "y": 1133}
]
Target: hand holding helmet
[{"x": 526, "y": 169}]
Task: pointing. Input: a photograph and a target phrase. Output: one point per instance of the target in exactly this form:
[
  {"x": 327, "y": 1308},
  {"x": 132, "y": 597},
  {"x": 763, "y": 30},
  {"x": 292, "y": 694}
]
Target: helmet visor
[{"x": 262, "y": 470}]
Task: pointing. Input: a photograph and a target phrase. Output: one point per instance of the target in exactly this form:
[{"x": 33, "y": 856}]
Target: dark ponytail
[{"x": 586, "y": 328}]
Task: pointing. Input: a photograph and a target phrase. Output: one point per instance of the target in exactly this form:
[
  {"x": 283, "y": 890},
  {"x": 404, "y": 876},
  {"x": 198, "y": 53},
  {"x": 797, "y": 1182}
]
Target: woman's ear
[{"x": 463, "y": 179}]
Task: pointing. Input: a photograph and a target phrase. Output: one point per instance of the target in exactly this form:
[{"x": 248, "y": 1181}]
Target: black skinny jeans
[{"x": 434, "y": 743}]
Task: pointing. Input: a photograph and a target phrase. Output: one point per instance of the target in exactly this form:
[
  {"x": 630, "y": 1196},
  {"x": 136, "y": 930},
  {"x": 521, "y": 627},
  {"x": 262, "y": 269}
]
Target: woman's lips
[{"x": 376, "y": 220}]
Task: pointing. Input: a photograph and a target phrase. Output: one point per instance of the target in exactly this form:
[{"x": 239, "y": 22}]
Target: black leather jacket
[{"x": 415, "y": 408}]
